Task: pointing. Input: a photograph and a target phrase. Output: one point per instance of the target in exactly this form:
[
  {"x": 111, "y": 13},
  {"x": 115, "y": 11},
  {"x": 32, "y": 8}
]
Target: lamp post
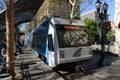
[{"x": 102, "y": 12}]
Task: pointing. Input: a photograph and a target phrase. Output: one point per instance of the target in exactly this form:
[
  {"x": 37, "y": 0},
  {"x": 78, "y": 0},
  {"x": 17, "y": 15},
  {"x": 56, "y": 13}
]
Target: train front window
[{"x": 71, "y": 36}]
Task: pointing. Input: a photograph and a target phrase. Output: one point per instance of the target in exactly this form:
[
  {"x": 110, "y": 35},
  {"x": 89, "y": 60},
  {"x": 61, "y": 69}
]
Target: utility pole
[{"x": 10, "y": 37}]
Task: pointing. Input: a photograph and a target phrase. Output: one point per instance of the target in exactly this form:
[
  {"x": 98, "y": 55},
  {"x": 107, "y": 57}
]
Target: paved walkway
[
  {"x": 35, "y": 69},
  {"x": 111, "y": 72}
]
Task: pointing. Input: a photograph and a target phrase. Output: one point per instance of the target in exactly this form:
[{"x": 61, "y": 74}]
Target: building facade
[
  {"x": 93, "y": 15},
  {"x": 117, "y": 22}
]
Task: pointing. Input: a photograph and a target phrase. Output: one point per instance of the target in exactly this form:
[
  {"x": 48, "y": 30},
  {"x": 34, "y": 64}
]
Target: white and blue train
[{"x": 60, "y": 41}]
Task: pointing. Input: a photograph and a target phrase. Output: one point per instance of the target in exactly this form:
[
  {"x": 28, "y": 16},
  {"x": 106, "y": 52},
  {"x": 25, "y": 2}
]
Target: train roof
[
  {"x": 63, "y": 21},
  {"x": 56, "y": 20},
  {"x": 41, "y": 28}
]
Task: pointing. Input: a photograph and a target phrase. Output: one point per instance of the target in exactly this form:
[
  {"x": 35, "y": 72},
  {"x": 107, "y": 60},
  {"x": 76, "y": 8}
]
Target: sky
[{"x": 111, "y": 8}]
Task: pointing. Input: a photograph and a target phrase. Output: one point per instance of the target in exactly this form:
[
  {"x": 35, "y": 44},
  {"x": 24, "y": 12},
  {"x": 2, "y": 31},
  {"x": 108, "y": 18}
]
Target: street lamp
[{"x": 102, "y": 11}]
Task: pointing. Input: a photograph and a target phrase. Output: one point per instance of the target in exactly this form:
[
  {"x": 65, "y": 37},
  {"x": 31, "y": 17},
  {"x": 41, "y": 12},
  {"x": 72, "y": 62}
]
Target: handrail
[
  {"x": 5, "y": 77},
  {"x": 13, "y": 62}
]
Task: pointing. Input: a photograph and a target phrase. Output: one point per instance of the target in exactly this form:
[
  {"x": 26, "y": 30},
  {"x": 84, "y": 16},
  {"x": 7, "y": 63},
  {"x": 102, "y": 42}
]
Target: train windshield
[{"x": 71, "y": 36}]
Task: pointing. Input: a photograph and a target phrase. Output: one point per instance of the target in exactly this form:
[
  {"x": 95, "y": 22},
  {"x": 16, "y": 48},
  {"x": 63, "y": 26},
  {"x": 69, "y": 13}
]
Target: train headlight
[
  {"x": 90, "y": 51},
  {"x": 62, "y": 54}
]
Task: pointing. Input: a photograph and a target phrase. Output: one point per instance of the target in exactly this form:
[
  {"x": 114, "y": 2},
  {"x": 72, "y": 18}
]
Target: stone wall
[
  {"x": 51, "y": 8},
  {"x": 117, "y": 21},
  {"x": 117, "y": 12}
]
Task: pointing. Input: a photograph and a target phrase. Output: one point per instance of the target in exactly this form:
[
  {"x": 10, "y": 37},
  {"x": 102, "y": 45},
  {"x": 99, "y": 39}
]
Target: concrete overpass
[{"x": 24, "y": 12}]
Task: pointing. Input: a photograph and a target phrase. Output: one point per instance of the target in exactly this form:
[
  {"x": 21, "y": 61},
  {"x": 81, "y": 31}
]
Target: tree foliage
[
  {"x": 109, "y": 35},
  {"x": 92, "y": 26},
  {"x": 84, "y": 4},
  {"x": 72, "y": 2},
  {"x": 73, "y": 7}
]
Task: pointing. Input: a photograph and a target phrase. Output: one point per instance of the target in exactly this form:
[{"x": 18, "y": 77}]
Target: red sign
[{"x": 107, "y": 25}]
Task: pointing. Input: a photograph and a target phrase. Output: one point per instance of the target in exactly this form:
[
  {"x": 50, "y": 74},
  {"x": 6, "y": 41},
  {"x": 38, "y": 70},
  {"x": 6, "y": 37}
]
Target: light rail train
[{"x": 60, "y": 41}]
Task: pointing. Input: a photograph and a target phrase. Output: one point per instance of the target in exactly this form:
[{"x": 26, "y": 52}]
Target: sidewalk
[
  {"x": 111, "y": 72},
  {"x": 35, "y": 69}
]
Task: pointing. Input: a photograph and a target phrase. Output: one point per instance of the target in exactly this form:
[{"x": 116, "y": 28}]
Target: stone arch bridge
[
  {"x": 24, "y": 12},
  {"x": 35, "y": 12}
]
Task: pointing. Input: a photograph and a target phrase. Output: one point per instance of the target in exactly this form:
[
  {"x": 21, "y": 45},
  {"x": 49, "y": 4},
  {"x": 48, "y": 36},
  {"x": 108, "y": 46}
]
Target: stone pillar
[
  {"x": 117, "y": 21},
  {"x": 117, "y": 13}
]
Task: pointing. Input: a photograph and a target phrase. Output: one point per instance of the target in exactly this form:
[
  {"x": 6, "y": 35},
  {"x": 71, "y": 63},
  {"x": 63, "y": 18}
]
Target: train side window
[{"x": 50, "y": 43}]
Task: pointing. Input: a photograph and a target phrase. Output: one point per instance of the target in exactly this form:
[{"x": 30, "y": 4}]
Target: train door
[{"x": 51, "y": 52}]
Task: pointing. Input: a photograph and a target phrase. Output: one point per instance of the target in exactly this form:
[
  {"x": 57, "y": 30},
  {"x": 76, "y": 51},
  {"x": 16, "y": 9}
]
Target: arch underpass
[
  {"x": 25, "y": 17},
  {"x": 24, "y": 12}
]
